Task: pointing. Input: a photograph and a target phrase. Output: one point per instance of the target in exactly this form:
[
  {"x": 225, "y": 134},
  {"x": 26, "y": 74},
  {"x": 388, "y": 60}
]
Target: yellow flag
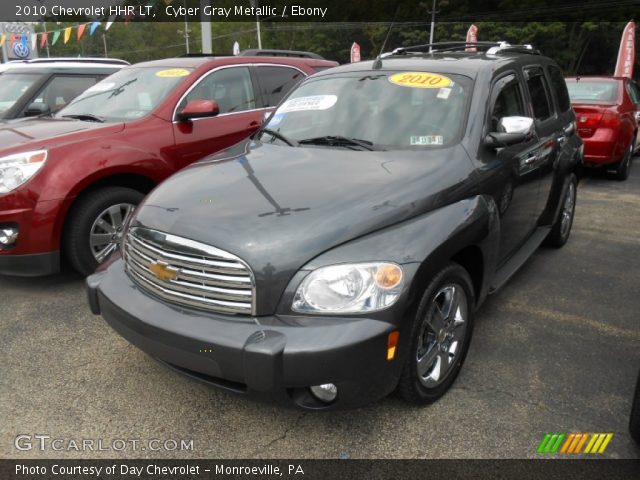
[
  {"x": 3, "y": 37},
  {"x": 67, "y": 34}
]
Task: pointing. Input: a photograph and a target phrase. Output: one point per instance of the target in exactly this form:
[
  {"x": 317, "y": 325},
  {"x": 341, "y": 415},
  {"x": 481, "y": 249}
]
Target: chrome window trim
[{"x": 222, "y": 67}]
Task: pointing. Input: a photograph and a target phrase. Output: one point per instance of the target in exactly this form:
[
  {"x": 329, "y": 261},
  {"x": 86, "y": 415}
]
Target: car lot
[{"x": 557, "y": 350}]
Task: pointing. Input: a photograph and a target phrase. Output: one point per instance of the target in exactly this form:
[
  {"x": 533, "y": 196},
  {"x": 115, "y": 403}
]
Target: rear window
[{"x": 592, "y": 91}]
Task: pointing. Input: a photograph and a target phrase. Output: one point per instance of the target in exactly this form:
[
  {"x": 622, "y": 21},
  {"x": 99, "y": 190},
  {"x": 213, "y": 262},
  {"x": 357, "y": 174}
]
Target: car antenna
[{"x": 377, "y": 65}]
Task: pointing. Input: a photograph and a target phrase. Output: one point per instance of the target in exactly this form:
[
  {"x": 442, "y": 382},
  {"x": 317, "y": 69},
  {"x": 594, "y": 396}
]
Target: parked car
[
  {"x": 44, "y": 86},
  {"x": 608, "y": 111},
  {"x": 68, "y": 183},
  {"x": 343, "y": 251}
]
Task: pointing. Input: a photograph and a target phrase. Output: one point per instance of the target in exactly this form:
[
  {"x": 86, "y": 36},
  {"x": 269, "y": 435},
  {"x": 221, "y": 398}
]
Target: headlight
[
  {"x": 349, "y": 288},
  {"x": 16, "y": 169}
]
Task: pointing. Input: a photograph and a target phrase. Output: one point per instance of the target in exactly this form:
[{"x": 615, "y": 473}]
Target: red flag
[
  {"x": 472, "y": 37},
  {"x": 81, "y": 30},
  {"x": 43, "y": 39},
  {"x": 627, "y": 52},
  {"x": 355, "y": 53}
]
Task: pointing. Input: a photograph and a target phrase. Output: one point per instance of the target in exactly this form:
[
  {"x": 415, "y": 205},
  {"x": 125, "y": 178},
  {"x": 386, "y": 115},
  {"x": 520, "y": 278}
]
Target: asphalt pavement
[{"x": 556, "y": 350}]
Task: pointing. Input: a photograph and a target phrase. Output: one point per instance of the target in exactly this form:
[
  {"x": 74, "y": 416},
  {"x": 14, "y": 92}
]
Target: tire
[
  {"x": 561, "y": 229},
  {"x": 83, "y": 224},
  {"x": 624, "y": 167},
  {"x": 437, "y": 336},
  {"x": 634, "y": 421}
]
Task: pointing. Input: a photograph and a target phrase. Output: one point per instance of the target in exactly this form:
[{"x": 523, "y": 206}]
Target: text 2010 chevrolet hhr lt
[{"x": 341, "y": 253}]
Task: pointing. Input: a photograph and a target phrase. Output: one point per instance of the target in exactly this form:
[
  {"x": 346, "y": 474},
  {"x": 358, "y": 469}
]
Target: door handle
[
  {"x": 530, "y": 160},
  {"x": 253, "y": 125}
]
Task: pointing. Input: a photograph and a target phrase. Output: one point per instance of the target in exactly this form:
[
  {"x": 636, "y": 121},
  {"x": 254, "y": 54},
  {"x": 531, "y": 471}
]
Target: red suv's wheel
[{"x": 96, "y": 224}]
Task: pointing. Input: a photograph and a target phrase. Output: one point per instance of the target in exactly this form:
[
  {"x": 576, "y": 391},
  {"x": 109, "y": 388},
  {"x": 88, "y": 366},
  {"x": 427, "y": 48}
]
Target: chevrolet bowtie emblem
[{"x": 163, "y": 271}]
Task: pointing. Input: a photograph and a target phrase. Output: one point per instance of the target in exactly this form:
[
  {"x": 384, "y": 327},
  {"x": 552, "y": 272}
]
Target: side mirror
[
  {"x": 511, "y": 130},
  {"x": 37, "y": 108},
  {"x": 198, "y": 109}
]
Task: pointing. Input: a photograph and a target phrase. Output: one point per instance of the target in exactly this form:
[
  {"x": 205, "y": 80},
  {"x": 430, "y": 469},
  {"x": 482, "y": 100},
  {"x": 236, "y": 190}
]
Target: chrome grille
[{"x": 195, "y": 274}]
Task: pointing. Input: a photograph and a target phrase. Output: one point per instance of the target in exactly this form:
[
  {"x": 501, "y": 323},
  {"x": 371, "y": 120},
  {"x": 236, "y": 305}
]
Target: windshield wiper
[
  {"x": 279, "y": 136},
  {"x": 338, "y": 140},
  {"x": 85, "y": 117}
]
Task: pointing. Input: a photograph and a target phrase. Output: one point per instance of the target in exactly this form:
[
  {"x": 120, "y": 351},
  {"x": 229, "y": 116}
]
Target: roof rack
[
  {"x": 491, "y": 48},
  {"x": 254, "y": 52},
  {"x": 107, "y": 61}
]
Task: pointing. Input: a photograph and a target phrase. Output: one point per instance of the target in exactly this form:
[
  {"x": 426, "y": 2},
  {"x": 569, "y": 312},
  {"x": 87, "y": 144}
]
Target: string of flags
[{"x": 51, "y": 37}]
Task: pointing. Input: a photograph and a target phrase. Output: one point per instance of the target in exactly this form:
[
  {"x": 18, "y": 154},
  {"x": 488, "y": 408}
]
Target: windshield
[
  {"x": 128, "y": 94},
  {"x": 593, "y": 91},
  {"x": 13, "y": 87},
  {"x": 384, "y": 110}
]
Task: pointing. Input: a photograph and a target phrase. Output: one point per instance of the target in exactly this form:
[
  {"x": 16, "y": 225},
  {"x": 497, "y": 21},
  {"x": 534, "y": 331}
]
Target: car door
[
  {"x": 233, "y": 89},
  {"x": 511, "y": 178},
  {"x": 550, "y": 134}
]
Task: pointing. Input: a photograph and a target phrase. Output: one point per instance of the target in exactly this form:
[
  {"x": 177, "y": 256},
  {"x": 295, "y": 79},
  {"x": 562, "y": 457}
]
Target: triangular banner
[
  {"x": 81, "y": 30},
  {"x": 93, "y": 27},
  {"x": 3, "y": 38},
  {"x": 43, "y": 39},
  {"x": 34, "y": 41},
  {"x": 67, "y": 34},
  {"x": 110, "y": 22},
  {"x": 24, "y": 40},
  {"x": 56, "y": 35}
]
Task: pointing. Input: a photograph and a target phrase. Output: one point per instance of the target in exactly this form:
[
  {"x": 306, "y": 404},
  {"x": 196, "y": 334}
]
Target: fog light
[
  {"x": 325, "y": 393},
  {"x": 8, "y": 236}
]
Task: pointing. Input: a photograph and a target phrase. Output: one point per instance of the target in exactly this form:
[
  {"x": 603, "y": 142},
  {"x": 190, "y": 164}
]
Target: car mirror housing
[
  {"x": 198, "y": 109},
  {"x": 522, "y": 125},
  {"x": 511, "y": 131},
  {"x": 37, "y": 108}
]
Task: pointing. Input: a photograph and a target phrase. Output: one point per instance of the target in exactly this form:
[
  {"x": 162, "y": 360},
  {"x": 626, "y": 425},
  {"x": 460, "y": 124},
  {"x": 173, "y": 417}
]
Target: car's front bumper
[{"x": 277, "y": 357}]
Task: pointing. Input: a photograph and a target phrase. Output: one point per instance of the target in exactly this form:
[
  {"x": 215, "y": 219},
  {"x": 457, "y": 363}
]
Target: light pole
[
  {"x": 433, "y": 12},
  {"x": 254, "y": 3}
]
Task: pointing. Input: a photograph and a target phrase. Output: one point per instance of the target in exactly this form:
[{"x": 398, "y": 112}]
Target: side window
[
  {"x": 230, "y": 87},
  {"x": 508, "y": 104},
  {"x": 62, "y": 89},
  {"x": 539, "y": 92},
  {"x": 560, "y": 88},
  {"x": 276, "y": 82},
  {"x": 634, "y": 92}
]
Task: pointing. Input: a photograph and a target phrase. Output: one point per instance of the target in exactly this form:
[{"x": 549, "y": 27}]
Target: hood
[
  {"x": 278, "y": 207},
  {"x": 49, "y": 132}
]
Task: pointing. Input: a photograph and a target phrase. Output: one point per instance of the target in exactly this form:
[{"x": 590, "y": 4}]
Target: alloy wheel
[
  {"x": 107, "y": 230},
  {"x": 567, "y": 210}
]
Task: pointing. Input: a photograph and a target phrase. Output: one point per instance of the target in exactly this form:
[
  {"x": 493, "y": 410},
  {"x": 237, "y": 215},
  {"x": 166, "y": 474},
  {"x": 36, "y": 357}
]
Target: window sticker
[
  {"x": 420, "y": 80},
  {"x": 101, "y": 87},
  {"x": 426, "y": 140},
  {"x": 172, "y": 73},
  {"x": 444, "y": 93},
  {"x": 314, "y": 102}
]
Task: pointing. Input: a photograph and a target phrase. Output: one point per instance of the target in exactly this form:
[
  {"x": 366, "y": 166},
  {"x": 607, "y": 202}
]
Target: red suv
[{"x": 69, "y": 182}]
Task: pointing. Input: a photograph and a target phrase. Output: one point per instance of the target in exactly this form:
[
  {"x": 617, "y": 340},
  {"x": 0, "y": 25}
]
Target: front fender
[{"x": 423, "y": 244}]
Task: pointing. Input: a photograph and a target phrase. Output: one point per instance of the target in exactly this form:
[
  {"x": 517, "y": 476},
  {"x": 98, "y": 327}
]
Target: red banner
[
  {"x": 355, "y": 53},
  {"x": 472, "y": 37},
  {"x": 627, "y": 52}
]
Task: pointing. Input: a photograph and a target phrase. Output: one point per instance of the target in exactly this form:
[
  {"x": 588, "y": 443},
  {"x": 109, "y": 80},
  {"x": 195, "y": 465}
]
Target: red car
[
  {"x": 69, "y": 182},
  {"x": 607, "y": 111}
]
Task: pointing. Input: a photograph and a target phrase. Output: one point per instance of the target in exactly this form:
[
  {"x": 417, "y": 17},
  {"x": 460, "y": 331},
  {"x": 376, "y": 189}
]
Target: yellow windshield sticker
[
  {"x": 420, "y": 80},
  {"x": 174, "y": 72}
]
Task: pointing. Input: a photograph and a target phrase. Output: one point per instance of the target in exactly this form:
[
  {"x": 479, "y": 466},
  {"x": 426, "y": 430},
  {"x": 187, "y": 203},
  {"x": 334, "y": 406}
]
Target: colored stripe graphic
[{"x": 573, "y": 443}]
